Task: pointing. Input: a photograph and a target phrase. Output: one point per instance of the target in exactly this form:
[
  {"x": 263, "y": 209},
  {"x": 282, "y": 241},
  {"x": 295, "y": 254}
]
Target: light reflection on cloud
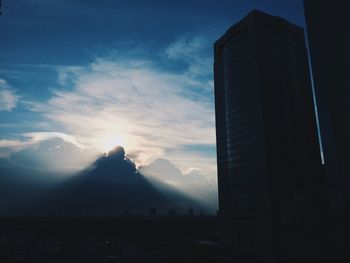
[{"x": 150, "y": 110}]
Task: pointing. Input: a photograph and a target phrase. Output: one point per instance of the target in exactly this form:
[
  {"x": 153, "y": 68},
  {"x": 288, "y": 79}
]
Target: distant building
[
  {"x": 329, "y": 41},
  {"x": 269, "y": 164}
]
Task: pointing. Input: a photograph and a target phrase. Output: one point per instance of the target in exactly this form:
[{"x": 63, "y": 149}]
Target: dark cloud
[{"x": 111, "y": 184}]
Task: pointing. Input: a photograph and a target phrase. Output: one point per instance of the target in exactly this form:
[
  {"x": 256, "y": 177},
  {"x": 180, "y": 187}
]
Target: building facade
[
  {"x": 329, "y": 41},
  {"x": 269, "y": 164}
]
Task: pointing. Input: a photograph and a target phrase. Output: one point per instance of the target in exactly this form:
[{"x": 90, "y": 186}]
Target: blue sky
[{"x": 100, "y": 73}]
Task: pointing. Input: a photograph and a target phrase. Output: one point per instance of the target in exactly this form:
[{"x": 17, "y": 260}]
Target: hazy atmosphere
[{"x": 78, "y": 78}]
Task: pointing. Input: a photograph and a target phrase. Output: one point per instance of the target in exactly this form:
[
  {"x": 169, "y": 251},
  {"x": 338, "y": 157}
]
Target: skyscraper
[
  {"x": 269, "y": 164},
  {"x": 329, "y": 40}
]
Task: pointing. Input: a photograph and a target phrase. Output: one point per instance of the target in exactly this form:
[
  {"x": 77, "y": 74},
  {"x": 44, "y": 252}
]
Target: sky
[{"x": 104, "y": 73}]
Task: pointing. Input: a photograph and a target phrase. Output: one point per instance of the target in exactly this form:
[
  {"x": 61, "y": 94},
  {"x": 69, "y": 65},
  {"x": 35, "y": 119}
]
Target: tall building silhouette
[
  {"x": 329, "y": 41},
  {"x": 269, "y": 164}
]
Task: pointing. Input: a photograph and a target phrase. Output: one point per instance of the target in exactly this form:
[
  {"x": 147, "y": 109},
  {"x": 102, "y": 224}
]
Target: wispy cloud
[
  {"x": 8, "y": 97},
  {"x": 13, "y": 143},
  {"x": 192, "y": 50},
  {"x": 42, "y": 136},
  {"x": 152, "y": 110}
]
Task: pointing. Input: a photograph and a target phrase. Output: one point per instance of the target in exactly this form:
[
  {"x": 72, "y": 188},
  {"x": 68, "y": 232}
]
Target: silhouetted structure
[
  {"x": 329, "y": 40},
  {"x": 117, "y": 239},
  {"x": 269, "y": 163}
]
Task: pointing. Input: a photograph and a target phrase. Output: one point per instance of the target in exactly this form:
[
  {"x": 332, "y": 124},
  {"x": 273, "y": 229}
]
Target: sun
[{"x": 110, "y": 142}]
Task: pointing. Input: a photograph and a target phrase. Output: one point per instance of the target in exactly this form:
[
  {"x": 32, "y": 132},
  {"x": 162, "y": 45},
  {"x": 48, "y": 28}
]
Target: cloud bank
[
  {"x": 156, "y": 106},
  {"x": 194, "y": 183}
]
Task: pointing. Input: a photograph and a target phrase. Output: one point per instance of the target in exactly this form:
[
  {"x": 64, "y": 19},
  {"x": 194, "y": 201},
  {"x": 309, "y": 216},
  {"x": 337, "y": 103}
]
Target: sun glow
[{"x": 110, "y": 142}]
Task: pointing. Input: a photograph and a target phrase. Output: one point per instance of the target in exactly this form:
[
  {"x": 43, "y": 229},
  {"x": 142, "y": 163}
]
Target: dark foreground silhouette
[{"x": 119, "y": 239}]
